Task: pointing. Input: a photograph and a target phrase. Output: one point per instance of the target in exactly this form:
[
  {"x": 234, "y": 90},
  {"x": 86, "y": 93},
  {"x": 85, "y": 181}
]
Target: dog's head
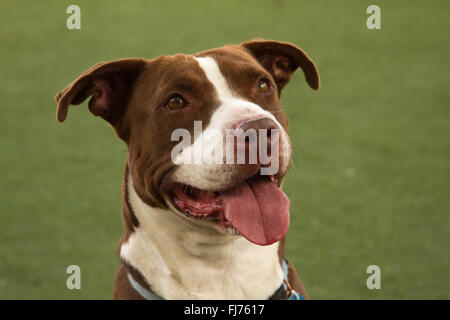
[{"x": 183, "y": 117}]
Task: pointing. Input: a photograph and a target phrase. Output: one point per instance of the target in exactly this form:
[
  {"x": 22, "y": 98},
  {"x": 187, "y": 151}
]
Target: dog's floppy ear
[
  {"x": 281, "y": 59},
  {"x": 108, "y": 83}
]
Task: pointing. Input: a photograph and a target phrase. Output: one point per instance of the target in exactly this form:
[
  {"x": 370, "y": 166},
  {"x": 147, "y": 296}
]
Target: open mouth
[{"x": 256, "y": 208}]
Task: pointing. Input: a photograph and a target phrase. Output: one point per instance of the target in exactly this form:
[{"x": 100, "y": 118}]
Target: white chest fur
[{"x": 185, "y": 259}]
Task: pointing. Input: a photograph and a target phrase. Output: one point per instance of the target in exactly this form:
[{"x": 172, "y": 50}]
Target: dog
[{"x": 199, "y": 230}]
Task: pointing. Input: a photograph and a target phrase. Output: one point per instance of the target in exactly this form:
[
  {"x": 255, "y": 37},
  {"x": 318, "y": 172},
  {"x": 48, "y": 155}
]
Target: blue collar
[
  {"x": 292, "y": 294},
  {"x": 148, "y": 295}
]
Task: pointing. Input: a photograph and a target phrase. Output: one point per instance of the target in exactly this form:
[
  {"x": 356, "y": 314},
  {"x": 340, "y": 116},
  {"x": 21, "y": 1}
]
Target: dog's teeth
[{"x": 232, "y": 231}]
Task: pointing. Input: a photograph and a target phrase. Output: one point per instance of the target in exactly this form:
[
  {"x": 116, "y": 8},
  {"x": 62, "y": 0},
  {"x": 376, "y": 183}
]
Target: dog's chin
[
  {"x": 221, "y": 211},
  {"x": 213, "y": 225}
]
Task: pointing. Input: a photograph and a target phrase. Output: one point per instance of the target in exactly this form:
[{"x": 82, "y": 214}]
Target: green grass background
[{"x": 370, "y": 180}]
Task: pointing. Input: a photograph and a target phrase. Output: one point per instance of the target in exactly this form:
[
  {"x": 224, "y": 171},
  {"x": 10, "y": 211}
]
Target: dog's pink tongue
[{"x": 258, "y": 209}]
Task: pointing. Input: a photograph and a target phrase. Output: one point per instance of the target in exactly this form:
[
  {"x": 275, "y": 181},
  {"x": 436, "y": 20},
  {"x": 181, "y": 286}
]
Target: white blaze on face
[
  {"x": 211, "y": 175},
  {"x": 212, "y": 71}
]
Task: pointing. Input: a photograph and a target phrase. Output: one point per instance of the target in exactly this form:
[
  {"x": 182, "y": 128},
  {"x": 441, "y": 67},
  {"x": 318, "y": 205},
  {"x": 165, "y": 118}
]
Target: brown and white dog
[{"x": 201, "y": 230}]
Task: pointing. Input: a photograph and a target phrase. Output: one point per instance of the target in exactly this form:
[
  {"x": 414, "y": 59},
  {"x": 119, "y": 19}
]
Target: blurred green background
[{"x": 370, "y": 180}]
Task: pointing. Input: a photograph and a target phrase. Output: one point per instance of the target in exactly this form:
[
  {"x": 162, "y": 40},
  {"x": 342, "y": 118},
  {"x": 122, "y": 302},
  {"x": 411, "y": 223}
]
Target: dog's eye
[
  {"x": 263, "y": 85},
  {"x": 176, "y": 102}
]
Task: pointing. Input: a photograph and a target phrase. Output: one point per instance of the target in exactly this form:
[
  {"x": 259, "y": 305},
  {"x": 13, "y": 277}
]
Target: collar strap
[
  {"x": 290, "y": 293},
  {"x": 145, "y": 293},
  {"x": 283, "y": 292}
]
